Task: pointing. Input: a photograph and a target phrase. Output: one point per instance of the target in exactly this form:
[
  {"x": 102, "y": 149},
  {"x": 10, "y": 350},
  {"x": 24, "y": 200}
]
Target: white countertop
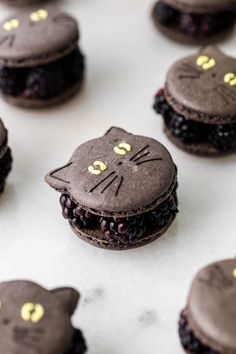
[{"x": 130, "y": 300}]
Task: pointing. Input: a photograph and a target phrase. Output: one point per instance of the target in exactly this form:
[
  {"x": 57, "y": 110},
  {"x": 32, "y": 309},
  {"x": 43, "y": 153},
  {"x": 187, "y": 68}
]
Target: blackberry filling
[
  {"x": 193, "y": 24},
  {"x": 5, "y": 168},
  {"x": 121, "y": 230},
  {"x": 188, "y": 339},
  {"x": 45, "y": 81},
  {"x": 78, "y": 344},
  {"x": 221, "y": 136}
]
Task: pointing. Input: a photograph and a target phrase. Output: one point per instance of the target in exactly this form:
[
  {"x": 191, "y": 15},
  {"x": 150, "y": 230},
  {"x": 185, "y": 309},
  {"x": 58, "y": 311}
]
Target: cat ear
[
  {"x": 68, "y": 297},
  {"x": 212, "y": 51},
  {"x": 117, "y": 133},
  {"x": 60, "y": 178}
]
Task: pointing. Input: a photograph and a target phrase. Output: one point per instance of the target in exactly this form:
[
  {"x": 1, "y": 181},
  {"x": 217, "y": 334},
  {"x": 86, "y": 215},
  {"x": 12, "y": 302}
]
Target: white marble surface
[{"x": 130, "y": 300}]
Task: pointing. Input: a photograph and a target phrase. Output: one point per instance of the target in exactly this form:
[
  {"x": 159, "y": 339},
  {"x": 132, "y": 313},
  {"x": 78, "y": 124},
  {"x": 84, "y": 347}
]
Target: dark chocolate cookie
[
  {"x": 5, "y": 156},
  {"x": 208, "y": 324},
  {"x": 118, "y": 191},
  {"x": 194, "y": 21},
  {"x": 198, "y": 103},
  {"x": 40, "y": 62},
  {"x": 35, "y": 320}
]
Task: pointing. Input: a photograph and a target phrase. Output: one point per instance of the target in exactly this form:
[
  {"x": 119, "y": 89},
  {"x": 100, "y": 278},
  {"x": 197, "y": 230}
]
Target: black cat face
[
  {"x": 117, "y": 172},
  {"x": 34, "y": 320},
  {"x": 205, "y": 82}
]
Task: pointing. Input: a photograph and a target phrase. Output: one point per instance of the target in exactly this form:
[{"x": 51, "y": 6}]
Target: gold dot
[
  {"x": 39, "y": 15},
  {"x": 11, "y": 25},
  {"x": 32, "y": 312},
  {"x": 234, "y": 273}
]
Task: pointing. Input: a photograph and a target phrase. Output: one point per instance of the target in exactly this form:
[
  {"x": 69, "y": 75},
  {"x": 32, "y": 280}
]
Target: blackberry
[
  {"x": 188, "y": 24},
  {"x": 12, "y": 81},
  {"x": 165, "y": 213},
  {"x": 209, "y": 25},
  {"x": 188, "y": 339},
  {"x": 75, "y": 214},
  {"x": 187, "y": 131},
  {"x": 134, "y": 228},
  {"x": 44, "y": 82},
  {"x": 73, "y": 66},
  {"x": 121, "y": 231},
  {"x": 162, "y": 107},
  {"x": 5, "y": 168},
  {"x": 78, "y": 345},
  {"x": 124, "y": 230},
  {"x": 223, "y": 137},
  {"x": 166, "y": 14}
]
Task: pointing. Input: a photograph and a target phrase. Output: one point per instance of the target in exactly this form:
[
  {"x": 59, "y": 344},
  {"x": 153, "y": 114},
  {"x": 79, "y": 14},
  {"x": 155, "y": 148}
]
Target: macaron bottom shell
[
  {"x": 43, "y": 85},
  {"x": 195, "y": 137},
  {"x": 192, "y": 28}
]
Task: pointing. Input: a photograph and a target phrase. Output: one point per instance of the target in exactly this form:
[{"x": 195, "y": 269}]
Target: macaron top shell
[
  {"x": 204, "y": 84},
  {"x": 117, "y": 174},
  {"x": 202, "y": 6},
  {"x": 211, "y": 308},
  {"x": 36, "y": 36},
  {"x": 35, "y": 320}
]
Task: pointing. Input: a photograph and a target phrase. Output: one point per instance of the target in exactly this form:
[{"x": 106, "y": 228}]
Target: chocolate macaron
[
  {"x": 5, "y": 156},
  {"x": 198, "y": 103},
  {"x": 194, "y": 21},
  {"x": 118, "y": 191},
  {"x": 40, "y": 61},
  {"x": 36, "y": 320},
  {"x": 208, "y": 323}
]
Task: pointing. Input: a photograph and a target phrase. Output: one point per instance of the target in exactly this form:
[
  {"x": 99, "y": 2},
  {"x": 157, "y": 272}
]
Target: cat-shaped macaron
[
  {"x": 194, "y": 21},
  {"x": 40, "y": 61},
  {"x": 198, "y": 103},
  {"x": 34, "y": 320},
  {"x": 208, "y": 321},
  {"x": 118, "y": 191}
]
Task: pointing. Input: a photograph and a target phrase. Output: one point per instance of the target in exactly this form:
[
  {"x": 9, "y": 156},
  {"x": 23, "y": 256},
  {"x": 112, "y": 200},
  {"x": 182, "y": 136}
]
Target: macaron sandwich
[
  {"x": 195, "y": 21},
  {"x": 207, "y": 325},
  {"x": 37, "y": 320},
  {"x": 118, "y": 191},
  {"x": 40, "y": 61},
  {"x": 198, "y": 103}
]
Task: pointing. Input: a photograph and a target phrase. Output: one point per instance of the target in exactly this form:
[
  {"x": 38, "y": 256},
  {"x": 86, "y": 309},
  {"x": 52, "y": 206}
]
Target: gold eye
[
  {"x": 11, "y": 25},
  {"x": 97, "y": 168},
  {"x": 40, "y": 15},
  {"x": 32, "y": 312},
  {"x": 230, "y": 79},
  {"x": 205, "y": 62},
  {"x": 122, "y": 149},
  {"x": 234, "y": 273}
]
